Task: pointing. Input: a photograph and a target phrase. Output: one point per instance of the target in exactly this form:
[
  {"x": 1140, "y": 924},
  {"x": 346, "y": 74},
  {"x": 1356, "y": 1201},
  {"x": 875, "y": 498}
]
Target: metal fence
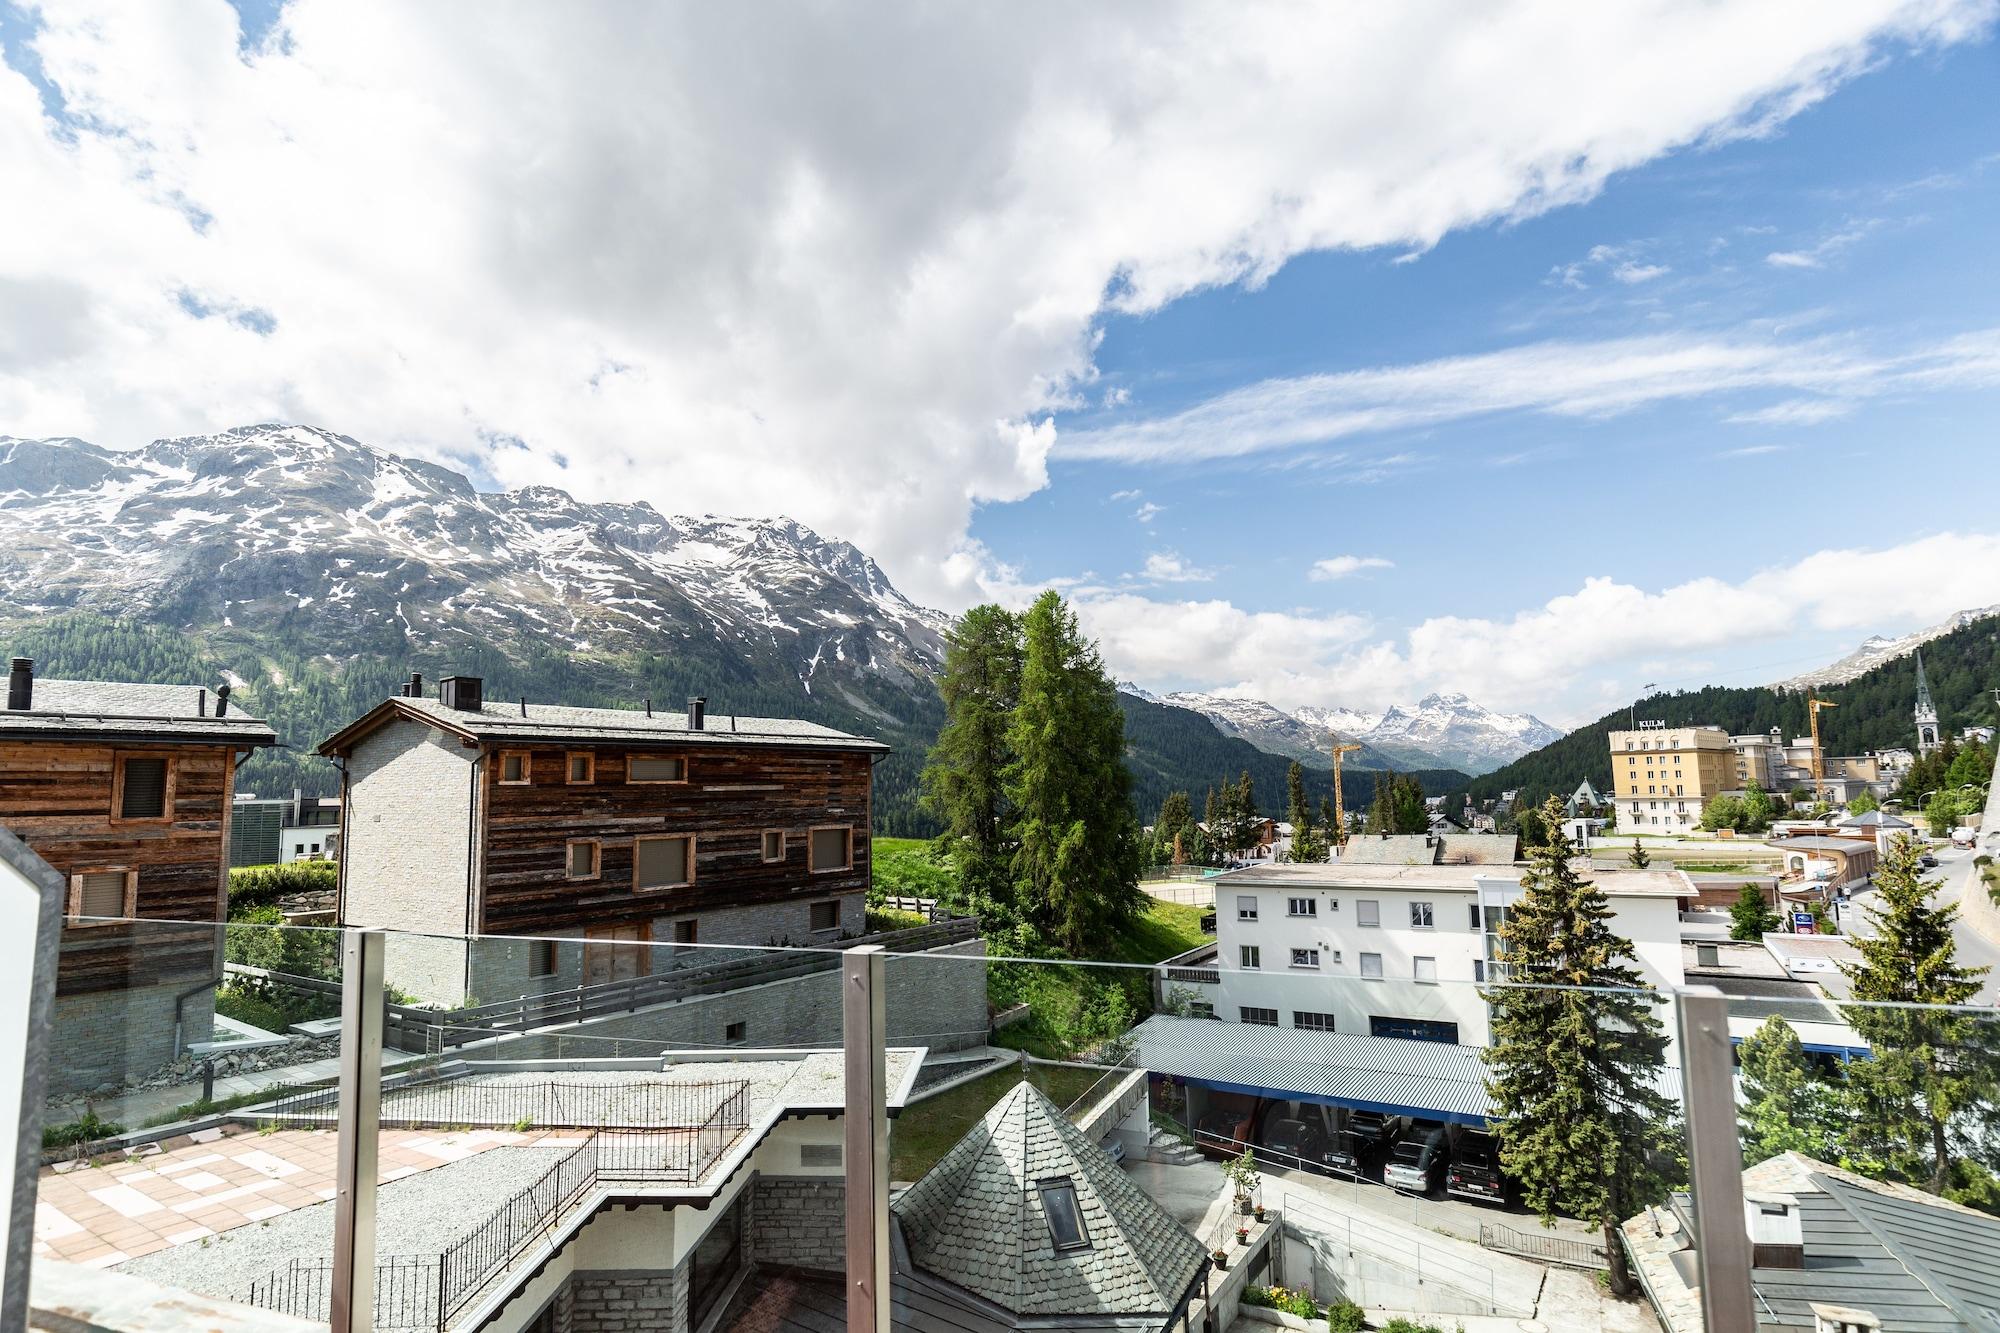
[
  {"x": 1541, "y": 1246},
  {"x": 427, "y": 1292},
  {"x": 423, "y": 1102}
]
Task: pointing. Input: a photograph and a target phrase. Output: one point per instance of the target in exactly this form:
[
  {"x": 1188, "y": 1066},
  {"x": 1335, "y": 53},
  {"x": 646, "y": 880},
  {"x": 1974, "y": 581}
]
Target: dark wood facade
[
  {"x": 60, "y": 797},
  {"x": 730, "y": 798}
]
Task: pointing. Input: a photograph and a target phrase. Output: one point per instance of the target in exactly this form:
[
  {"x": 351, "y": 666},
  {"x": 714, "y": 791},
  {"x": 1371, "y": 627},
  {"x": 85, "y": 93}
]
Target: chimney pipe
[
  {"x": 201, "y": 702},
  {"x": 416, "y": 690},
  {"x": 649, "y": 705},
  {"x": 21, "y": 685},
  {"x": 697, "y": 712},
  {"x": 221, "y": 700}
]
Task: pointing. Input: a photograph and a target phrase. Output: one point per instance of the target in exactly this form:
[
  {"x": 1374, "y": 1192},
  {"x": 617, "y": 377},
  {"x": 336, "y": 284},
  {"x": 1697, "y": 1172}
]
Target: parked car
[
  {"x": 1417, "y": 1163},
  {"x": 1474, "y": 1172},
  {"x": 1360, "y": 1142},
  {"x": 1295, "y": 1134},
  {"x": 1927, "y": 861}
]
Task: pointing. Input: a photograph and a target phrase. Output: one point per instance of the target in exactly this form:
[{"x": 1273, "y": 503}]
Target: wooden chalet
[{"x": 620, "y": 827}]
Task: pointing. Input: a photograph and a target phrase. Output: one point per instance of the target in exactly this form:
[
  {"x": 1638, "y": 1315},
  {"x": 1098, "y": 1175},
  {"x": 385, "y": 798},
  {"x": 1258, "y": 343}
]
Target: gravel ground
[{"x": 417, "y": 1215}]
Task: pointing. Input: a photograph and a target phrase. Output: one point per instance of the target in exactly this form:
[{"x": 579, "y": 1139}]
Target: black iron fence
[
  {"x": 512, "y": 1101},
  {"x": 1541, "y": 1245},
  {"x": 427, "y": 1292}
]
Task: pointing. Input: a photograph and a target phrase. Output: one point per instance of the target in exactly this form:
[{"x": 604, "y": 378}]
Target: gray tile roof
[
  {"x": 559, "y": 723},
  {"x": 117, "y": 710},
  {"x": 976, "y": 1221},
  {"x": 1875, "y": 819},
  {"x": 1391, "y": 849}
]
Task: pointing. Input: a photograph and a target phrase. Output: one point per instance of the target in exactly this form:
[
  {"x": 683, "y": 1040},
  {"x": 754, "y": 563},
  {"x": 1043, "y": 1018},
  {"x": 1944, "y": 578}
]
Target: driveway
[{"x": 1953, "y": 878}]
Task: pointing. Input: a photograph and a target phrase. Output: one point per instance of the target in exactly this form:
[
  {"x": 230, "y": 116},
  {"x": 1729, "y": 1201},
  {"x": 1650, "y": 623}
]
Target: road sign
[{"x": 1803, "y": 924}]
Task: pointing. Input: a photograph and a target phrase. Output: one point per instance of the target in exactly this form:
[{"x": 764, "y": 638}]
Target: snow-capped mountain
[
  {"x": 297, "y": 527},
  {"x": 1879, "y": 648},
  {"x": 1439, "y": 731}
]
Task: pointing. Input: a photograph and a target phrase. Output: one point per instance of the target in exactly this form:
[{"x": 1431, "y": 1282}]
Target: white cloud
[
  {"x": 1170, "y": 567},
  {"x": 1818, "y": 255},
  {"x": 858, "y": 255},
  {"x": 1117, "y": 396},
  {"x": 1791, "y": 259},
  {"x": 1795, "y": 412},
  {"x": 1124, "y": 495},
  {"x": 1560, "y": 378},
  {"x": 1345, "y": 566},
  {"x": 1567, "y": 659},
  {"x": 1148, "y": 511},
  {"x": 1631, "y": 272}
]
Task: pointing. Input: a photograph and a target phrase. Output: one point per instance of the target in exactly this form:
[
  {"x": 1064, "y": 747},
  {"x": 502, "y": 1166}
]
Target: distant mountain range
[
  {"x": 1440, "y": 731},
  {"x": 1877, "y": 649}
]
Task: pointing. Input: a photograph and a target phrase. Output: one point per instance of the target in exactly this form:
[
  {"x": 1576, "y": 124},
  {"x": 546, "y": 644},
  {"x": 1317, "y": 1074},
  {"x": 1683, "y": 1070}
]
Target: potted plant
[
  {"x": 1243, "y": 1179},
  {"x": 1259, "y": 1210},
  {"x": 1221, "y": 1258},
  {"x": 1243, "y": 1235}
]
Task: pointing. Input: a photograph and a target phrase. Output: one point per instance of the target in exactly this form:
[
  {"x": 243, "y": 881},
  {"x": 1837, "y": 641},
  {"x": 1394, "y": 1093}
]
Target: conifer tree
[
  {"x": 1784, "y": 1107},
  {"x": 1298, "y": 811},
  {"x": 964, "y": 775},
  {"x": 1928, "y": 1065},
  {"x": 1749, "y": 917},
  {"x": 1176, "y": 821},
  {"x": 1638, "y": 858},
  {"x": 1076, "y": 860},
  {"x": 1575, "y": 1049}
]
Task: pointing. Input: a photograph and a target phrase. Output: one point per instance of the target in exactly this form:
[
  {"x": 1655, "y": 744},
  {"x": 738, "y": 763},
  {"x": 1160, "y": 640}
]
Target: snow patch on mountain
[
  {"x": 1879, "y": 648},
  {"x": 1444, "y": 730}
]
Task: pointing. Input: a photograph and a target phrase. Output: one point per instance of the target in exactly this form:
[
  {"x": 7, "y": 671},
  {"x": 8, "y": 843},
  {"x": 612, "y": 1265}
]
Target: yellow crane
[
  {"x": 1819, "y": 766},
  {"x": 1339, "y": 810}
]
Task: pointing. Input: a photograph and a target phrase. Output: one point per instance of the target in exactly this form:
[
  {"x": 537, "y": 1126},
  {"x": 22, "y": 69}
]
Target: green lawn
[
  {"x": 1165, "y": 930},
  {"x": 926, "y": 1131},
  {"x": 903, "y": 867}
]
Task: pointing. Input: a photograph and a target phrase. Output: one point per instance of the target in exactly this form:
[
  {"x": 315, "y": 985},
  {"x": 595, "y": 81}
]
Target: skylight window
[{"x": 1066, "y": 1229}]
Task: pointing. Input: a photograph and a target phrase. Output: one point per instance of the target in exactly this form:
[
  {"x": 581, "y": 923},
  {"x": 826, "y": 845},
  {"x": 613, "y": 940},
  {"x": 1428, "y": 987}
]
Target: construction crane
[
  {"x": 1339, "y": 810},
  {"x": 1819, "y": 764}
]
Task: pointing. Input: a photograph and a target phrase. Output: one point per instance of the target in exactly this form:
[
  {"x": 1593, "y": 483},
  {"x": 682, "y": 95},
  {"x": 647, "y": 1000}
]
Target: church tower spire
[{"x": 1926, "y": 711}]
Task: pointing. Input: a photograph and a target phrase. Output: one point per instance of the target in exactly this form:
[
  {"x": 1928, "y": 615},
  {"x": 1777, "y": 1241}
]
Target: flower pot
[
  {"x": 1243, "y": 1206},
  {"x": 1243, "y": 1235},
  {"x": 1221, "y": 1258},
  {"x": 1260, "y": 1213}
]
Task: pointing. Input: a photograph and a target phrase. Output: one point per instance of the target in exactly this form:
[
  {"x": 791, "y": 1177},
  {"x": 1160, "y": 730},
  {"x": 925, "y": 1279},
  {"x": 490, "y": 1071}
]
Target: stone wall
[
  {"x": 103, "y": 1040},
  {"x": 627, "y": 1301},
  {"x": 799, "y": 1221}
]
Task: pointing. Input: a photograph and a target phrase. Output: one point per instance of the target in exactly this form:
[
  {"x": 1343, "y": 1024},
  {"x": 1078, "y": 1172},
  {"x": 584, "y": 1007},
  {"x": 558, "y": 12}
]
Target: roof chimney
[
  {"x": 201, "y": 702},
  {"x": 21, "y": 685},
  {"x": 697, "y": 712},
  {"x": 463, "y": 694},
  {"x": 416, "y": 687}
]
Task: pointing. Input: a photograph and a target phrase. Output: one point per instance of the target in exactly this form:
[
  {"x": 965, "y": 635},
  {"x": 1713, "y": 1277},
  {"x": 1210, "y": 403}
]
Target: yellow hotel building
[{"x": 1662, "y": 776}]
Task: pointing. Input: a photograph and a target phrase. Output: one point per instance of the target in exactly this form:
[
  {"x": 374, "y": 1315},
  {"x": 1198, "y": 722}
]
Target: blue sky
[
  {"x": 1327, "y": 355},
  {"x": 1888, "y": 194}
]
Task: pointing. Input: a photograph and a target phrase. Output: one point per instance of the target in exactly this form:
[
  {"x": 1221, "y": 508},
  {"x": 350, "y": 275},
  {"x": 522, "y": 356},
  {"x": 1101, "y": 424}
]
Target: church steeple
[{"x": 1926, "y": 711}]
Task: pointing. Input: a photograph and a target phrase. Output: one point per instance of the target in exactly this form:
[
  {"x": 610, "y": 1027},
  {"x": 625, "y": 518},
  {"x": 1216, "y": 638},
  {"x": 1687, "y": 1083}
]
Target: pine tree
[
  {"x": 1575, "y": 1049},
  {"x": 1928, "y": 1064},
  {"x": 1298, "y": 811},
  {"x": 1749, "y": 917},
  {"x": 964, "y": 776},
  {"x": 1076, "y": 862},
  {"x": 1176, "y": 821},
  {"x": 1638, "y": 858},
  {"x": 1784, "y": 1107}
]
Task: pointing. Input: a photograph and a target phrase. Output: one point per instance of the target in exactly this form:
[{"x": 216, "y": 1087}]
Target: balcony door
[{"x": 615, "y": 953}]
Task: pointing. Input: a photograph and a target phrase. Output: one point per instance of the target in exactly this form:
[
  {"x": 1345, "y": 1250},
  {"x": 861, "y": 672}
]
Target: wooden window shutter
[
  {"x": 145, "y": 793},
  {"x": 101, "y": 893}
]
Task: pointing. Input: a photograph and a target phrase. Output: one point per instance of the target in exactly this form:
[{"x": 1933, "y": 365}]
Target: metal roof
[
  {"x": 118, "y": 710},
  {"x": 976, "y": 1220},
  {"x": 1622, "y": 882},
  {"x": 1389, "y": 1074},
  {"x": 1391, "y": 849},
  {"x": 561, "y": 724},
  {"x": 1875, "y": 819}
]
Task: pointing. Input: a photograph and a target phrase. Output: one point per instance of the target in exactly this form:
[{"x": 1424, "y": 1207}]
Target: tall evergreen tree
[
  {"x": 1928, "y": 1065},
  {"x": 1638, "y": 858},
  {"x": 1784, "y": 1107},
  {"x": 1076, "y": 862},
  {"x": 964, "y": 777},
  {"x": 1575, "y": 1049},
  {"x": 1298, "y": 810},
  {"x": 1750, "y": 918},
  {"x": 1174, "y": 830}
]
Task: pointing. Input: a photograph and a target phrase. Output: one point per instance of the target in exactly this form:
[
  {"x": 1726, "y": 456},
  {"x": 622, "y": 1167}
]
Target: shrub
[
  {"x": 86, "y": 1128},
  {"x": 263, "y": 886},
  {"x": 257, "y": 937},
  {"x": 1283, "y": 1298},
  {"x": 1345, "y": 1317},
  {"x": 888, "y": 918},
  {"x": 1409, "y": 1326}
]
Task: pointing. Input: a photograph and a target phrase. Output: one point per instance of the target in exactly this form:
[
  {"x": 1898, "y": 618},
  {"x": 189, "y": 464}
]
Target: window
[
  {"x": 1306, "y": 1022},
  {"x": 735, "y": 1034},
  {"x": 685, "y": 931},
  {"x": 541, "y": 958},
  {"x": 1421, "y": 916},
  {"x": 1259, "y": 1018},
  {"x": 1474, "y": 914},
  {"x": 1371, "y": 966},
  {"x": 1305, "y": 958},
  {"x": 826, "y": 915},
  {"x": 718, "y": 1258},
  {"x": 1413, "y": 1029},
  {"x": 1302, "y": 906},
  {"x": 142, "y": 787},
  {"x": 1200, "y": 1009},
  {"x": 582, "y": 768},
  {"x": 108, "y": 893},
  {"x": 1066, "y": 1229},
  {"x": 824, "y": 1155},
  {"x": 1426, "y": 970},
  {"x": 1252, "y": 956},
  {"x": 774, "y": 845},
  {"x": 298, "y": 849},
  {"x": 656, "y": 768},
  {"x": 515, "y": 768},
  {"x": 662, "y": 862},
  {"x": 1367, "y": 912},
  {"x": 1246, "y": 908},
  {"x": 830, "y": 849}
]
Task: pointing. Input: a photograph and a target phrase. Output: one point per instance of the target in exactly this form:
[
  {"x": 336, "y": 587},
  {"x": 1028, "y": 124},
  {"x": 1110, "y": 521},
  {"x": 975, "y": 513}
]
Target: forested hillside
[
  {"x": 1874, "y": 713},
  {"x": 1175, "y": 749}
]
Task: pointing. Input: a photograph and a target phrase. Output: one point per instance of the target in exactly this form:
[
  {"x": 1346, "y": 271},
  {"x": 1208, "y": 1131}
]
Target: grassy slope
[{"x": 926, "y": 1131}]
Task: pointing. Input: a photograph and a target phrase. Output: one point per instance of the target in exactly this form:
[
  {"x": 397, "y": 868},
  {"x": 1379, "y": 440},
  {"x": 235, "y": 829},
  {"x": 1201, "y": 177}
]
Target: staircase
[{"x": 1164, "y": 1147}]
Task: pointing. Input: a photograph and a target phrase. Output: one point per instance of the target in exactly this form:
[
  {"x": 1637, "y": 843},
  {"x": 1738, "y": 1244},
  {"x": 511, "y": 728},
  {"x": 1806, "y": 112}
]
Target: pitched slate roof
[
  {"x": 558, "y": 724},
  {"x": 1391, "y": 849},
  {"x": 976, "y": 1221},
  {"x": 118, "y": 710},
  {"x": 1875, "y": 819}
]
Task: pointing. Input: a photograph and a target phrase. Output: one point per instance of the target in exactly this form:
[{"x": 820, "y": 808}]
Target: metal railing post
[
  {"x": 867, "y": 1139},
  {"x": 361, "y": 1015},
  {"x": 1715, "y": 1162}
]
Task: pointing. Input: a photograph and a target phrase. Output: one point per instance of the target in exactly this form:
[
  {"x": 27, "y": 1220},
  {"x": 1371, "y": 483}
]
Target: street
[{"x": 1950, "y": 882}]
